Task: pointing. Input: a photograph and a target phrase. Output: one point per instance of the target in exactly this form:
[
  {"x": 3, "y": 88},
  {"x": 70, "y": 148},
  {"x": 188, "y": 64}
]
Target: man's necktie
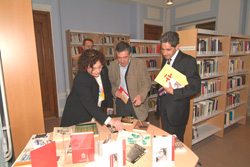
[{"x": 161, "y": 90}]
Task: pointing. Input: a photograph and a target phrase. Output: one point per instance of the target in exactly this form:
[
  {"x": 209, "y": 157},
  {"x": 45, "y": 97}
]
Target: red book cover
[
  {"x": 125, "y": 95},
  {"x": 44, "y": 156},
  {"x": 158, "y": 48},
  {"x": 83, "y": 147}
]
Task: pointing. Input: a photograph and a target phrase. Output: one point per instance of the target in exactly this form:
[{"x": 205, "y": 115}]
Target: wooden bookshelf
[
  {"x": 205, "y": 46},
  {"x": 103, "y": 42},
  {"x": 150, "y": 51},
  {"x": 239, "y": 50},
  {"x": 198, "y": 43}
]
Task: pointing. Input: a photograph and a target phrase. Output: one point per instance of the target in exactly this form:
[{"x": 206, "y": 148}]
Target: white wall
[{"x": 228, "y": 16}]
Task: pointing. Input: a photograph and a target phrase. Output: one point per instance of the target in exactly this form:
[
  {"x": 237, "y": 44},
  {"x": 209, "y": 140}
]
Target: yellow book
[{"x": 169, "y": 74}]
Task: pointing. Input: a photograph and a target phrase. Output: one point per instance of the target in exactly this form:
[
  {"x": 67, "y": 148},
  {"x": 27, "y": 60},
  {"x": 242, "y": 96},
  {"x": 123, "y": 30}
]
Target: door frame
[{"x": 47, "y": 8}]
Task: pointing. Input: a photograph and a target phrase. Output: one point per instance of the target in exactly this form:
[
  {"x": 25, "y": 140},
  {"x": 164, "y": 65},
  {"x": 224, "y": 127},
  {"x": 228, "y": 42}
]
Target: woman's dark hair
[{"x": 88, "y": 58}]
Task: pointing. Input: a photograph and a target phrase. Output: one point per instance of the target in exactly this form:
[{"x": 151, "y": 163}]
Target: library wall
[{"x": 226, "y": 16}]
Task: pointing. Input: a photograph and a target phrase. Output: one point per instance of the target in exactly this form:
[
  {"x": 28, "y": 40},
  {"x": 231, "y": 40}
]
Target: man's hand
[
  {"x": 118, "y": 94},
  {"x": 137, "y": 100},
  {"x": 170, "y": 89},
  {"x": 155, "y": 108}
]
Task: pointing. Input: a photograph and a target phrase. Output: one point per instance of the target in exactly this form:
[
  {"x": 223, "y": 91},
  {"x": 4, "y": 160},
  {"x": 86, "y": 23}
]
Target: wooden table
[{"x": 182, "y": 159}]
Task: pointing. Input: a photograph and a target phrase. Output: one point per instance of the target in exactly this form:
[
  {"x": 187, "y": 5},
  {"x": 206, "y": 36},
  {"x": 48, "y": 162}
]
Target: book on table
[
  {"x": 170, "y": 75},
  {"x": 44, "y": 156},
  {"x": 114, "y": 153},
  {"x": 135, "y": 152},
  {"x": 143, "y": 139},
  {"x": 141, "y": 126},
  {"x": 87, "y": 127},
  {"x": 127, "y": 120},
  {"x": 163, "y": 151},
  {"x": 62, "y": 133},
  {"x": 82, "y": 147}
]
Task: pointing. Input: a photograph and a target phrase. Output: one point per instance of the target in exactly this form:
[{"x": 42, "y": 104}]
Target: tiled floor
[{"x": 231, "y": 151}]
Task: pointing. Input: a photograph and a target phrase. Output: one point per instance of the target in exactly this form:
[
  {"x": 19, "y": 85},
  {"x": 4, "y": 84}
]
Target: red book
[
  {"x": 83, "y": 147},
  {"x": 158, "y": 48},
  {"x": 44, "y": 156},
  {"x": 125, "y": 95}
]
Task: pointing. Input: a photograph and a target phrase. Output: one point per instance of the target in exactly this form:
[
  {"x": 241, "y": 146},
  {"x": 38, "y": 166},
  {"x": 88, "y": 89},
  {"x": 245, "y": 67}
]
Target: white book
[
  {"x": 163, "y": 151},
  {"x": 113, "y": 153}
]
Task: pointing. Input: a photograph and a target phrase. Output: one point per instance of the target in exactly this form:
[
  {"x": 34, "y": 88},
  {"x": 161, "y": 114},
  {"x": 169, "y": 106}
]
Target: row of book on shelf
[
  {"x": 80, "y": 144},
  {"x": 151, "y": 63},
  {"x": 236, "y": 81},
  {"x": 210, "y": 86},
  {"x": 235, "y": 65},
  {"x": 232, "y": 99},
  {"x": 107, "y": 39},
  {"x": 143, "y": 49},
  {"x": 207, "y": 66},
  {"x": 204, "y": 108},
  {"x": 229, "y": 117},
  {"x": 208, "y": 44},
  {"x": 240, "y": 46}
]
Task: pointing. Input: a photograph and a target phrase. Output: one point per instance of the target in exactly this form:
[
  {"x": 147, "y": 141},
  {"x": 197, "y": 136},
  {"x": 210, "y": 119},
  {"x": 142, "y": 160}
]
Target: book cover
[
  {"x": 88, "y": 127},
  {"x": 135, "y": 152},
  {"x": 163, "y": 151},
  {"x": 143, "y": 139},
  {"x": 125, "y": 95},
  {"x": 179, "y": 147},
  {"x": 169, "y": 74},
  {"x": 114, "y": 153},
  {"x": 40, "y": 140},
  {"x": 141, "y": 126},
  {"x": 44, "y": 156},
  {"x": 62, "y": 133},
  {"x": 83, "y": 147},
  {"x": 127, "y": 120}
]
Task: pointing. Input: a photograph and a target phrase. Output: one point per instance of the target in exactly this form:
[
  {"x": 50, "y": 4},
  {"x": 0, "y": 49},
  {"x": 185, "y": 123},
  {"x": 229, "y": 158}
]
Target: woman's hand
[
  {"x": 110, "y": 111},
  {"x": 117, "y": 124}
]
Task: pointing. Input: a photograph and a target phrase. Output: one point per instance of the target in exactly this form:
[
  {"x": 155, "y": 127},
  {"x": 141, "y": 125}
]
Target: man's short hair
[
  {"x": 123, "y": 46},
  {"x": 87, "y": 39},
  {"x": 170, "y": 37}
]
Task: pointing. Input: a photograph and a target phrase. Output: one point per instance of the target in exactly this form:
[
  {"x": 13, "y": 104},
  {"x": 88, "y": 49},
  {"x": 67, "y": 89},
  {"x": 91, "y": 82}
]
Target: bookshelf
[
  {"x": 103, "y": 42},
  {"x": 150, "y": 51},
  {"x": 238, "y": 80},
  {"x": 223, "y": 60},
  {"x": 207, "y": 110}
]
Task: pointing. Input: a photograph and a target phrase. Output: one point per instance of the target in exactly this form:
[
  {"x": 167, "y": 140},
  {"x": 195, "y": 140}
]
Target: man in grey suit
[
  {"x": 174, "y": 104},
  {"x": 132, "y": 75}
]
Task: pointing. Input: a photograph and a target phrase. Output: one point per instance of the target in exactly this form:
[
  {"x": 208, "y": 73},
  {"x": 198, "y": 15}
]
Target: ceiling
[{"x": 161, "y": 3}]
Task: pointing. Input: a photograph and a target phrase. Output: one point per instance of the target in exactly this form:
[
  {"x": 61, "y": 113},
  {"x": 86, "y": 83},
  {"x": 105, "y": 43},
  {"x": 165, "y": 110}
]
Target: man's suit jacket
[
  {"x": 81, "y": 104},
  {"x": 138, "y": 82},
  {"x": 177, "y": 106}
]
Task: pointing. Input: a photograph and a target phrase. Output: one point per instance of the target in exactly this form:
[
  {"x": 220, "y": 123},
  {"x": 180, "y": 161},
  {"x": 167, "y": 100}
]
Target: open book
[{"x": 169, "y": 74}]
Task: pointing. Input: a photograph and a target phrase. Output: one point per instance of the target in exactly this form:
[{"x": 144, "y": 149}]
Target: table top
[{"x": 182, "y": 159}]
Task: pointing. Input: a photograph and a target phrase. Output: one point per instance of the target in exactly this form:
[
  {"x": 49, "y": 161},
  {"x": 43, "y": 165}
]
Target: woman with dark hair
[{"x": 87, "y": 94}]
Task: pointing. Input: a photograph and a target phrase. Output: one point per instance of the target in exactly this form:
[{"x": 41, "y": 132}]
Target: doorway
[
  {"x": 45, "y": 57},
  {"x": 152, "y": 32}
]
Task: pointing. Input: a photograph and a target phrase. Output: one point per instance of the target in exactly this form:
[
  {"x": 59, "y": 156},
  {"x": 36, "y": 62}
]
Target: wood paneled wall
[{"x": 20, "y": 68}]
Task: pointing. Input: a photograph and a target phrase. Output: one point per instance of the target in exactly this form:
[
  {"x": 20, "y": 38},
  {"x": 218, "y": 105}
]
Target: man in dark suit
[{"x": 174, "y": 104}]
